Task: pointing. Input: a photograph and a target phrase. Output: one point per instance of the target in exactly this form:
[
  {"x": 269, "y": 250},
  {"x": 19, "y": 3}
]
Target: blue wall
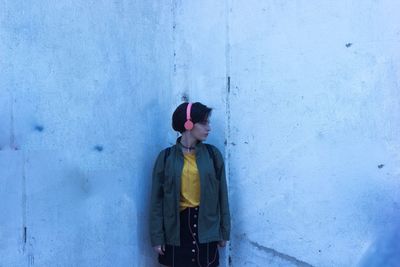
[
  {"x": 306, "y": 109},
  {"x": 82, "y": 116}
]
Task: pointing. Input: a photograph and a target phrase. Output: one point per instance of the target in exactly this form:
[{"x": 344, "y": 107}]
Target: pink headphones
[{"x": 188, "y": 123}]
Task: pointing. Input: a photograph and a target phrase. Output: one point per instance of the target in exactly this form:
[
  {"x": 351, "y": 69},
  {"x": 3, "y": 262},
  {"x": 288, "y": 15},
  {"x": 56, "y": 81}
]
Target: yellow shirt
[{"x": 190, "y": 182}]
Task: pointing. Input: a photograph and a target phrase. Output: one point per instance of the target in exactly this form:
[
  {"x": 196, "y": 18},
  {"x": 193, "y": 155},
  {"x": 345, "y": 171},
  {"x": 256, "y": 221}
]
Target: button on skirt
[{"x": 190, "y": 253}]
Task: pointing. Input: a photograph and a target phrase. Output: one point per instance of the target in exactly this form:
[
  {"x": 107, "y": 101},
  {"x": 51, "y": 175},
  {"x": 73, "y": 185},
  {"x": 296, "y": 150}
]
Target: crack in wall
[
  {"x": 280, "y": 255},
  {"x": 24, "y": 204}
]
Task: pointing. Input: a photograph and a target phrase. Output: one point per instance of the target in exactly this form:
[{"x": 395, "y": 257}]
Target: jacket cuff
[
  {"x": 157, "y": 240},
  {"x": 225, "y": 234}
]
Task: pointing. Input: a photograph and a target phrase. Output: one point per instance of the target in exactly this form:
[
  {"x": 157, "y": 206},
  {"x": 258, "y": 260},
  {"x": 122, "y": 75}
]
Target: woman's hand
[
  {"x": 159, "y": 249},
  {"x": 222, "y": 243}
]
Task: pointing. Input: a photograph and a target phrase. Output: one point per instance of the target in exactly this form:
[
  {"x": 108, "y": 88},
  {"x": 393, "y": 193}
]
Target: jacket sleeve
[
  {"x": 223, "y": 197},
  {"x": 156, "y": 203}
]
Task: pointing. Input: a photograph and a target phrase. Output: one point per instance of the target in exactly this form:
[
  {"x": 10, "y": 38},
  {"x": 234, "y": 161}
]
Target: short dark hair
[{"x": 198, "y": 113}]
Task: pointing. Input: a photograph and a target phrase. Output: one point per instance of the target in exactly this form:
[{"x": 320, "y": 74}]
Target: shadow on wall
[{"x": 385, "y": 251}]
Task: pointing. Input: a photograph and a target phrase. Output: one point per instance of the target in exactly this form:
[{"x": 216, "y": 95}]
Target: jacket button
[
  {"x": 193, "y": 260},
  {"x": 194, "y": 225},
  {"x": 193, "y": 250},
  {"x": 195, "y": 216},
  {"x": 194, "y": 242}
]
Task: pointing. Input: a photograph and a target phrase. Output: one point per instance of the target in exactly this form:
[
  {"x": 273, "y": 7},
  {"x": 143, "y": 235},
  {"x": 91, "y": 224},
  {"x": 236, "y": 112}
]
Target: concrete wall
[
  {"x": 85, "y": 102},
  {"x": 306, "y": 108},
  {"x": 315, "y": 112}
]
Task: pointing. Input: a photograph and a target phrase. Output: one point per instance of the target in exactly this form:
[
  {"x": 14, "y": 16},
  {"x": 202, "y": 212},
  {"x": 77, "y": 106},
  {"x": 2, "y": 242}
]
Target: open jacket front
[{"x": 214, "y": 216}]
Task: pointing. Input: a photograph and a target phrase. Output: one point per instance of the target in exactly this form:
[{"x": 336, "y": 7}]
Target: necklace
[{"x": 188, "y": 147}]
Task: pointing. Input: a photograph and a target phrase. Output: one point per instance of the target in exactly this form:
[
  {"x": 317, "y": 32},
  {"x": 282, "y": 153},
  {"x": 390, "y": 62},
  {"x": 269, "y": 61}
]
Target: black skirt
[{"x": 190, "y": 253}]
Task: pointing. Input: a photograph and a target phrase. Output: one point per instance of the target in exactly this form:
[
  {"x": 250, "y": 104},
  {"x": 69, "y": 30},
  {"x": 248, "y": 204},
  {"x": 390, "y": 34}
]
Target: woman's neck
[{"x": 188, "y": 141}]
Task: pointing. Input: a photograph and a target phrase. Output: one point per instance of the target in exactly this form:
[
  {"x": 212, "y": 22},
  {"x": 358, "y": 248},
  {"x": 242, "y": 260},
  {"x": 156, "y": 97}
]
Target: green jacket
[{"x": 214, "y": 217}]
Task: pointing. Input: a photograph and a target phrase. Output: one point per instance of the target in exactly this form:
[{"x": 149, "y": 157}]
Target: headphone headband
[
  {"x": 188, "y": 109},
  {"x": 188, "y": 124}
]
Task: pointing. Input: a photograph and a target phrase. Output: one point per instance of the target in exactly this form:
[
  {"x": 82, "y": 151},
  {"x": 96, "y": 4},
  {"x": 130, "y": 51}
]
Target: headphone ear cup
[{"x": 188, "y": 125}]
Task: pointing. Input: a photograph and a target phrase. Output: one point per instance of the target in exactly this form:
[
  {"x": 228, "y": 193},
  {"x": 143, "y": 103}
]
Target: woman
[{"x": 189, "y": 215}]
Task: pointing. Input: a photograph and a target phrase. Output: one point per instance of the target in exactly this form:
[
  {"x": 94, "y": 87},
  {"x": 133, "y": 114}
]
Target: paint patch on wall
[
  {"x": 185, "y": 97},
  {"x": 39, "y": 128},
  {"x": 98, "y": 148}
]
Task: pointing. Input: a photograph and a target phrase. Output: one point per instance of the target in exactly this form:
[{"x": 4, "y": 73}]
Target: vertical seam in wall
[
  {"x": 12, "y": 135},
  {"x": 228, "y": 89},
  {"x": 24, "y": 226},
  {"x": 174, "y": 6},
  {"x": 227, "y": 107}
]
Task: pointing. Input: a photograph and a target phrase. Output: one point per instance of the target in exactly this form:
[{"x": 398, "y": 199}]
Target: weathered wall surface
[
  {"x": 306, "y": 107},
  {"x": 314, "y": 129},
  {"x": 84, "y": 93},
  {"x": 312, "y": 120}
]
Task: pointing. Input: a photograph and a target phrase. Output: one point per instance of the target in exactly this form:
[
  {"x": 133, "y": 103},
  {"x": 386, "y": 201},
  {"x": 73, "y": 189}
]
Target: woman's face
[{"x": 201, "y": 130}]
